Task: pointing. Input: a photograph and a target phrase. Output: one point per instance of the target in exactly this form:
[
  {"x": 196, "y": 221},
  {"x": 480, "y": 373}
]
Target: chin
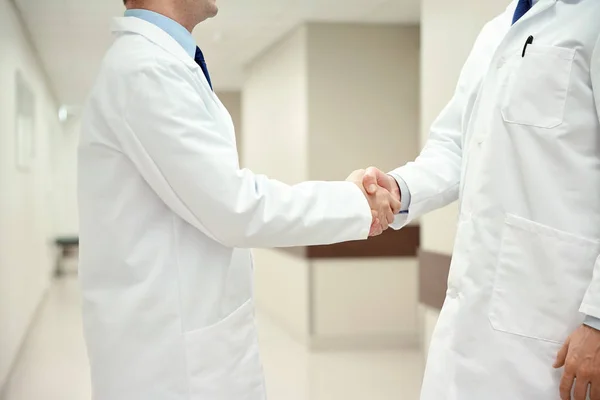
[{"x": 213, "y": 9}]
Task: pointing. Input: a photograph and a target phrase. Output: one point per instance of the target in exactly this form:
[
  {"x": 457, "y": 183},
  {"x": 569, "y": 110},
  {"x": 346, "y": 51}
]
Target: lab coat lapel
[
  {"x": 540, "y": 7},
  {"x": 164, "y": 41},
  {"x": 508, "y": 35},
  {"x": 155, "y": 35}
]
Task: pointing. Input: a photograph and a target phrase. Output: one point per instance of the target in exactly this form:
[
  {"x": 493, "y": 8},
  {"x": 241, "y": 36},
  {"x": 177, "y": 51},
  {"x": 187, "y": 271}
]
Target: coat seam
[{"x": 180, "y": 309}]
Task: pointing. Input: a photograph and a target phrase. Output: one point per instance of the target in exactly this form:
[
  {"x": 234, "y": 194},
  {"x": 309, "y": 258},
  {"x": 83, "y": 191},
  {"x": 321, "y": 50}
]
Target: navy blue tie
[
  {"x": 200, "y": 61},
  {"x": 522, "y": 7}
]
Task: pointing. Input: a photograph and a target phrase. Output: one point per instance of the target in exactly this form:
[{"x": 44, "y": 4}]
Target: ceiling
[{"x": 72, "y": 35}]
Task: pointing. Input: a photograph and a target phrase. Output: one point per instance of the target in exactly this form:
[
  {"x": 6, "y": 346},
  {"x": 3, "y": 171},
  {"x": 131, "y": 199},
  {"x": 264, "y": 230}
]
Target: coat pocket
[
  {"x": 223, "y": 359},
  {"x": 537, "y": 88},
  {"x": 541, "y": 278}
]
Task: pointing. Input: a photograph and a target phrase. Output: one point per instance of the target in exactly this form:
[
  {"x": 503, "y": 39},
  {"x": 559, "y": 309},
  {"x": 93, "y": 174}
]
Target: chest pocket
[{"x": 537, "y": 89}]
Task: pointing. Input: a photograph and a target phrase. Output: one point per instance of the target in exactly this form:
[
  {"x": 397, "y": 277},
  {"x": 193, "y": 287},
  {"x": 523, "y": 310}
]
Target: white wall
[
  {"x": 363, "y": 105},
  {"x": 232, "y": 100},
  {"x": 326, "y": 100},
  {"x": 429, "y": 317},
  {"x": 274, "y": 104},
  {"x": 25, "y": 213},
  {"x": 448, "y": 31},
  {"x": 65, "y": 215},
  {"x": 364, "y": 303},
  {"x": 363, "y": 97}
]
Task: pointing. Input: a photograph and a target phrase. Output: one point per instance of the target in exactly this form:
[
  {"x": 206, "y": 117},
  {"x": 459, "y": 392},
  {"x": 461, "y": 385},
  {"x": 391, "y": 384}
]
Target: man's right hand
[
  {"x": 384, "y": 205},
  {"x": 374, "y": 177}
]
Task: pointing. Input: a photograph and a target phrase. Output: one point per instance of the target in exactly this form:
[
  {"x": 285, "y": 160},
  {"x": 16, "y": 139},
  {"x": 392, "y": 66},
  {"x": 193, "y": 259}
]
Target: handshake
[{"x": 382, "y": 193}]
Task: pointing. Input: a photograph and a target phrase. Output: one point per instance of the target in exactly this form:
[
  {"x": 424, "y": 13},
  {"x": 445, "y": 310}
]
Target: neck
[{"x": 177, "y": 10}]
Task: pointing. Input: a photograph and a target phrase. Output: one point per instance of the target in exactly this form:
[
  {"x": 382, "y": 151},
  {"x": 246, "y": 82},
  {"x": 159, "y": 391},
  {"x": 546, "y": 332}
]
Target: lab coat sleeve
[
  {"x": 192, "y": 165},
  {"x": 404, "y": 193},
  {"x": 433, "y": 179},
  {"x": 591, "y": 301}
]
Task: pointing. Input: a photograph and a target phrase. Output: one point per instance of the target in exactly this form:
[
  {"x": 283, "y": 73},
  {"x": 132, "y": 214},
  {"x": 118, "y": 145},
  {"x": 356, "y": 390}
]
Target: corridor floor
[{"x": 53, "y": 364}]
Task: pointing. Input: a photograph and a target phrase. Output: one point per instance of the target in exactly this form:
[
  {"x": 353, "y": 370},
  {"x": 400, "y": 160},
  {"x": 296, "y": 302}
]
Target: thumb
[
  {"x": 370, "y": 181},
  {"x": 562, "y": 355}
]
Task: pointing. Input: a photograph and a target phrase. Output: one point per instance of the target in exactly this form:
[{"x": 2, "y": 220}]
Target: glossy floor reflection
[{"x": 53, "y": 364}]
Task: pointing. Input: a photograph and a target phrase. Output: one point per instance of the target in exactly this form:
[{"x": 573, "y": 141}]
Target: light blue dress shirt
[
  {"x": 590, "y": 321},
  {"x": 173, "y": 28},
  {"x": 404, "y": 193}
]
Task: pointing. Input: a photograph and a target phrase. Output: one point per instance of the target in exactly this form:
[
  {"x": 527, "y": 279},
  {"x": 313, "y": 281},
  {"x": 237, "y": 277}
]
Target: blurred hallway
[
  {"x": 286, "y": 71},
  {"x": 53, "y": 364}
]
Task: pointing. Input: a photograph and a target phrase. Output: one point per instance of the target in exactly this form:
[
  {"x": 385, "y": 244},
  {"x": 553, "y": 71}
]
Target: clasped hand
[{"x": 383, "y": 196}]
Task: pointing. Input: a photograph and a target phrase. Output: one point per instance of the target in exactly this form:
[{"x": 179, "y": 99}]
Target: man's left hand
[{"x": 580, "y": 355}]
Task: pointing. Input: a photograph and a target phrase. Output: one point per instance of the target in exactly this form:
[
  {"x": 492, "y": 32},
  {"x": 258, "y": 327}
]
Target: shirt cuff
[
  {"x": 404, "y": 193},
  {"x": 592, "y": 322}
]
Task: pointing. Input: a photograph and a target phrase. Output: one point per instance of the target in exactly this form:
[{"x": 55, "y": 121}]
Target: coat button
[{"x": 452, "y": 293}]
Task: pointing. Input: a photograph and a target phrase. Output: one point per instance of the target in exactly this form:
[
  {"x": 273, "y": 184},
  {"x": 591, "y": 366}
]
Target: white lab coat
[
  {"x": 519, "y": 145},
  {"x": 167, "y": 220}
]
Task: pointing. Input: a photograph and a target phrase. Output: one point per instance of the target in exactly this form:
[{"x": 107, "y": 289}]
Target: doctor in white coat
[
  {"x": 519, "y": 146},
  {"x": 167, "y": 219}
]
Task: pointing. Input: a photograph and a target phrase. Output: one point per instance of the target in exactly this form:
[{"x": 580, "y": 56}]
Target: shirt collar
[{"x": 173, "y": 28}]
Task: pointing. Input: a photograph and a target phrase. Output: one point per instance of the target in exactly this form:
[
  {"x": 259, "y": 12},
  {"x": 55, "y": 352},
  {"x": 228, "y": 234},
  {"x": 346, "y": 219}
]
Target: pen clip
[{"x": 527, "y": 43}]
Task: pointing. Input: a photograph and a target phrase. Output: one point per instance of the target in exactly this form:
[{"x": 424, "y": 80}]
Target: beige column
[
  {"x": 448, "y": 31},
  {"x": 326, "y": 100},
  {"x": 232, "y": 100},
  {"x": 274, "y": 121}
]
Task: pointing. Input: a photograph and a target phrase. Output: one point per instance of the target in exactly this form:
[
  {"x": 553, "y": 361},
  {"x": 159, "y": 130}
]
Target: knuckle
[
  {"x": 565, "y": 391},
  {"x": 584, "y": 372},
  {"x": 570, "y": 368},
  {"x": 566, "y": 384},
  {"x": 570, "y": 372}
]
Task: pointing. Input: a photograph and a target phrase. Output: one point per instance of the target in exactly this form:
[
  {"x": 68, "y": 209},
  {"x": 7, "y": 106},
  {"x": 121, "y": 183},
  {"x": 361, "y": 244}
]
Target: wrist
[{"x": 395, "y": 191}]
